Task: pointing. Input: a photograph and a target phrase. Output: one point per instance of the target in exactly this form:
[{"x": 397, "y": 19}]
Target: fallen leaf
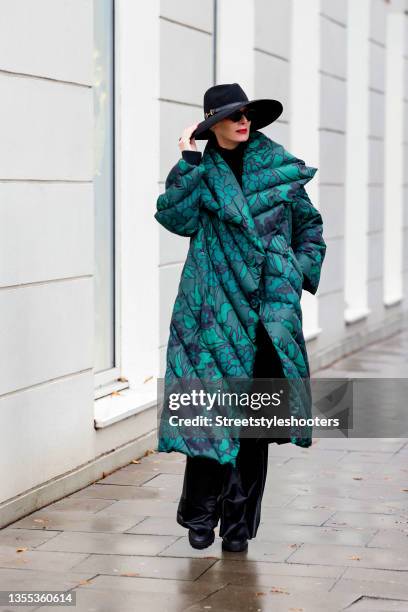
[
  {"x": 279, "y": 590},
  {"x": 84, "y": 582},
  {"x": 130, "y": 574},
  {"x": 149, "y": 451},
  {"x": 122, "y": 379},
  {"x": 22, "y": 549},
  {"x": 355, "y": 558},
  {"x": 259, "y": 593},
  {"x": 135, "y": 461},
  {"x": 115, "y": 393},
  {"x": 404, "y": 490}
]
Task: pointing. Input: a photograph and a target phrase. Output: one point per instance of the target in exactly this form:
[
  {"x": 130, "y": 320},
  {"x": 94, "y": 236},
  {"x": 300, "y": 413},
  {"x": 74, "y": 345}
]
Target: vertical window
[
  {"x": 215, "y": 9},
  {"x": 394, "y": 173},
  {"x": 104, "y": 190},
  {"x": 357, "y": 168}
]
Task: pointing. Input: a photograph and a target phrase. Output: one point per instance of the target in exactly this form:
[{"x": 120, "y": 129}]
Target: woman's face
[{"x": 230, "y": 133}]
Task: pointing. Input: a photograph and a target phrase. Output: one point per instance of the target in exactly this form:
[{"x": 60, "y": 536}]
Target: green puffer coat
[{"x": 252, "y": 251}]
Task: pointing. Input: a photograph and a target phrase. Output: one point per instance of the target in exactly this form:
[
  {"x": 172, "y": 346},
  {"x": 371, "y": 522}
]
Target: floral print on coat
[{"x": 252, "y": 251}]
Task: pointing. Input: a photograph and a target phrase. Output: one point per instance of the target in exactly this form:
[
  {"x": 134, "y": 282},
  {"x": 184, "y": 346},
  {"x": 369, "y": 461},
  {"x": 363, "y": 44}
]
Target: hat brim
[{"x": 267, "y": 111}]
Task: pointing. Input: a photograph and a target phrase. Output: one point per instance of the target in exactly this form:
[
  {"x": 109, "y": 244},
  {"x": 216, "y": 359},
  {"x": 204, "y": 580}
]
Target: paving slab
[
  {"x": 128, "y": 477},
  {"x": 349, "y": 504},
  {"x": 152, "y": 585},
  {"x": 166, "y": 481},
  {"x": 316, "y": 534},
  {"x": 259, "y": 550},
  {"x": 79, "y": 504},
  {"x": 114, "y": 543},
  {"x": 39, "y": 580},
  {"x": 147, "y": 567},
  {"x": 117, "y": 492},
  {"x": 363, "y": 556},
  {"x": 396, "y": 538},
  {"x": 293, "y": 516},
  {"x": 279, "y": 599},
  {"x": 364, "y": 519},
  {"x": 112, "y": 600},
  {"x": 373, "y": 588},
  {"x": 367, "y": 603},
  {"x": 279, "y": 498},
  {"x": 76, "y": 521},
  {"x": 158, "y": 526},
  {"x": 21, "y": 538},
  {"x": 232, "y": 565},
  {"x": 142, "y": 508},
  {"x": 39, "y": 560}
]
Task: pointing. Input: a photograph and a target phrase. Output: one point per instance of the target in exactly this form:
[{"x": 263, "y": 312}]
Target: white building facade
[{"x": 94, "y": 96}]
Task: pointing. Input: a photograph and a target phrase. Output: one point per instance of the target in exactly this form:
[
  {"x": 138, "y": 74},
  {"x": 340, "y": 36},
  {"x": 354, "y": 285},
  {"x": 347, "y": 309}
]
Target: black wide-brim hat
[{"x": 222, "y": 100}]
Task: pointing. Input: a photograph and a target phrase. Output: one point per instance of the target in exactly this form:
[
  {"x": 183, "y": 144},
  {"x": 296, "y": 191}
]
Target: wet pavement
[{"x": 333, "y": 536}]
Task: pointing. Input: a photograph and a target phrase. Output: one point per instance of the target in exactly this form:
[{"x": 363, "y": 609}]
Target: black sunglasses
[{"x": 249, "y": 113}]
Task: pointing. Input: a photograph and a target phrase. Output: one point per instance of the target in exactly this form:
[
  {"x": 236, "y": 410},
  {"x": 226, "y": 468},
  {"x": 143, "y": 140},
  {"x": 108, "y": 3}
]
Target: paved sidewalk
[{"x": 334, "y": 531}]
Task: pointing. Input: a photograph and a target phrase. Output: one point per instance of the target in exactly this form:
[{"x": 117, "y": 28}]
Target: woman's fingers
[{"x": 186, "y": 142}]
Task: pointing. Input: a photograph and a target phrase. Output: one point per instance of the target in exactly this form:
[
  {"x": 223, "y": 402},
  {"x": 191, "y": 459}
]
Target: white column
[
  {"x": 305, "y": 115},
  {"x": 235, "y": 36},
  {"x": 393, "y": 180},
  {"x": 357, "y": 129},
  {"x": 138, "y": 80}
]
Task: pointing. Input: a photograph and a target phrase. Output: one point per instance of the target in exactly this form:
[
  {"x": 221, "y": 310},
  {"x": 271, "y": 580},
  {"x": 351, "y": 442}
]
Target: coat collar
[{"x": 270, "y": 175}]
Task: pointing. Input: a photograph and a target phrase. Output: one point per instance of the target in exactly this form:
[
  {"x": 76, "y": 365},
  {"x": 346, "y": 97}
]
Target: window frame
[
  {"x": 137, "y": 146},
  {"x": 111, "y": 379}
]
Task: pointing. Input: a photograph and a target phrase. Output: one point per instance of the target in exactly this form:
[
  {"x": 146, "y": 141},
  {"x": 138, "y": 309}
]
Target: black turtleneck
[{"x": 233, "y": 157}]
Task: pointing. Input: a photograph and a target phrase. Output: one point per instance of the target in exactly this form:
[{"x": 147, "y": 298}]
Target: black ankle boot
[
  {"x": 234, "y": 545},
  {"x": 201, "y": 539}
]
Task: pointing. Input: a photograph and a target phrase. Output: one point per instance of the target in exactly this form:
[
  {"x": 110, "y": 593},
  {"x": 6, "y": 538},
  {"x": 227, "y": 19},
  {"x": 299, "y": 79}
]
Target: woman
[{"x": 255, "y": 242}]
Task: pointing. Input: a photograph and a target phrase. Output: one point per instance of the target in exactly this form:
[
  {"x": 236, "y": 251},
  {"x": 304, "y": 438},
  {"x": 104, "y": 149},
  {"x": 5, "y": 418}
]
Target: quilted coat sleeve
[
  {"x": 307, "y": 239},
  {"x": 178, "y": 206}
]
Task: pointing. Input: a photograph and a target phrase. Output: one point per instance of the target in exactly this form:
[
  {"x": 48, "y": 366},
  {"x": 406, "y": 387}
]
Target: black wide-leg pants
[{"x": 232, "y": 495}]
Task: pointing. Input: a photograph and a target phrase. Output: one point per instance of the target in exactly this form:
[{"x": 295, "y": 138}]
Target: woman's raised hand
[{"x": 186, "y": 143}]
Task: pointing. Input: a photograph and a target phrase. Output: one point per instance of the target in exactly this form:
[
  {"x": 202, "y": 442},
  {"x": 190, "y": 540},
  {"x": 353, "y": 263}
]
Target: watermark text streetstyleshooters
[
  {"x": 264, "y": 422},
  {"x": 366, "y": 407},
  {"x": 254, "y": 401}
]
